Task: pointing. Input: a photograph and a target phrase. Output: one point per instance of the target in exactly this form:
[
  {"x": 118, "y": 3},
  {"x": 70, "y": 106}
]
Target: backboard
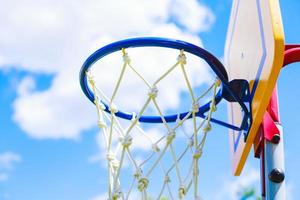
[{"x": 254, "y": 51}]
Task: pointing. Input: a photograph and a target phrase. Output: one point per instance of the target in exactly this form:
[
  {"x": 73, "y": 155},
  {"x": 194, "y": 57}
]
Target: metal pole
[
  {"x": 262, "y": 171},
  {"x": 272, "y": 151},
  {"x": 274, "y": 169}
]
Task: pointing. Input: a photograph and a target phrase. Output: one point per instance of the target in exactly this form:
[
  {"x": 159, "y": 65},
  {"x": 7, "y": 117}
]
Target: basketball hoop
[{"x": 110, "y": 120}]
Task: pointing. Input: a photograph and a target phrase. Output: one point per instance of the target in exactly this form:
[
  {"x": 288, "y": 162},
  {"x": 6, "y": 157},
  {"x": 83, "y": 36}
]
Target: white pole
[{"x": 274, "y": 169}]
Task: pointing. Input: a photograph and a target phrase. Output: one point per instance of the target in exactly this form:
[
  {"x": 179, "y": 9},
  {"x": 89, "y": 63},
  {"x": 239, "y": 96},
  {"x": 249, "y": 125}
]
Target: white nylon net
[{"x": 171, "y": 169}]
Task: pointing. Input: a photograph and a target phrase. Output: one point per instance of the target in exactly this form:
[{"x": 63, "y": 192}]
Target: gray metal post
[{"x": 274, "y": 169}]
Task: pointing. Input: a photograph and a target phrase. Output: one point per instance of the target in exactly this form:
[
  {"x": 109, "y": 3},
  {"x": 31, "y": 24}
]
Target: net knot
[
  {"x": 113, "y": 108},
  {"x": 116, "y": 194},
  {"x": 90, "y": 78},
  {"x": 126, "y": 58},
  {"x": 138, "y": 174},
  {"x": 181, "y": 58},
  {"x": 170, "y": 137},
  {"x": 143, "y": 184},
  {"x": 197, "y": 153},
  {"x": 195, "y": 107},
  {"x": 110, "y": 156},
  {"x": 153, "y": 92},
  {"x": 96, "y": 101},
  {"x": 207, "y": 127},
  {"x": 92, "y": 81},
  {"x": 155, "y": 148},
  {"x": 191, "y": 142},
  {"x": 126, "y": 141},
  {"x": 112, "y": 160},
  {"x": 182, "y": 192},
  {"x": 217, "y": 83},
  {"x": 100, "y": 105},
  {"x": 213, "y": 107},
  {"x": 167, "y": 179},
  {"x": 101, "y": 124},
  {"x": 115, "y": 164},
  {"x": 178, "y": 120}
]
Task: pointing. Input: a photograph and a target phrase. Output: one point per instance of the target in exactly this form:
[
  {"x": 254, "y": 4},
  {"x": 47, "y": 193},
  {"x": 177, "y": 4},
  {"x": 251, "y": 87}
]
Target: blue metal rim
[{"x": 212, "y": 61}]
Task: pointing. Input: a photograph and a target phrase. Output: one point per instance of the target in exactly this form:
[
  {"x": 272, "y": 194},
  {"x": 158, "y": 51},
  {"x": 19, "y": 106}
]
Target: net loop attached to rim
[{"x": 164, "y": 155}]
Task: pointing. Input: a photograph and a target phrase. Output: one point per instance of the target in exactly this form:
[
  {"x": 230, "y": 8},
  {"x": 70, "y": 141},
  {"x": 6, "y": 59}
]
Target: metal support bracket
[{"x": 240, "y": 88}]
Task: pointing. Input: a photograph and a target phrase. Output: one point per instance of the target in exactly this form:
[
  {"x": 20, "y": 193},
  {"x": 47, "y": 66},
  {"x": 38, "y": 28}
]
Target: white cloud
[
  {"x": 7, "y": 162},
  {"x": 192, "y": 15},
  {"x": 8, "y": 159},
  {"x": 63, "y": 32},
  {"x": 232, "y": 187},
  {"x": 61, "y": 38},
  {"x": 26, "y": 86},
  {"x": 60, "y": 112}
]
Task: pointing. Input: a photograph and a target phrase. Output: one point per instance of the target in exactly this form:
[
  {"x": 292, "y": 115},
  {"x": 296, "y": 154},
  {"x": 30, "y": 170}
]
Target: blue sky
[{"x": 49, "y": 142}]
